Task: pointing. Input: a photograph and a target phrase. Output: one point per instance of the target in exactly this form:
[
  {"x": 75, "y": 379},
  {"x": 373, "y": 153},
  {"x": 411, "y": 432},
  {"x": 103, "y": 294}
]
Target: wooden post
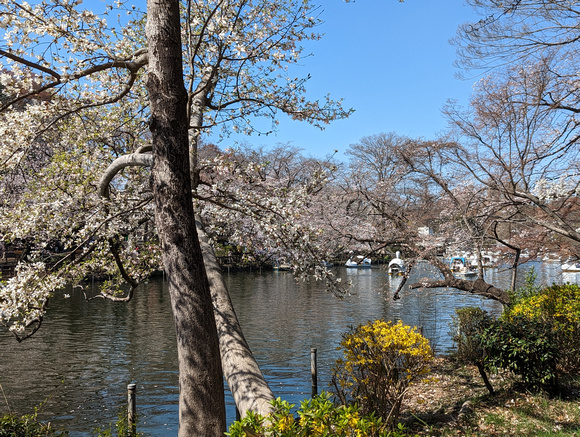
[
  {"x": 131, "y": 410},
  {"x": 314, "y": 372}
]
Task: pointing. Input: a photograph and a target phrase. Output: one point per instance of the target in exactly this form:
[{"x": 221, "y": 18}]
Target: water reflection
[
  {"x": 79, "y": 363},
  {"x": 86, "y": 353}
]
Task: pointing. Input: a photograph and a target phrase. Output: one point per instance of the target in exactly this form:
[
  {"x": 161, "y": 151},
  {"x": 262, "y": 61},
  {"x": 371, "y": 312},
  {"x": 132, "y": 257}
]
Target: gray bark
[
  {"x": 247, "y": 384},
  {"x": 201, "y": 400},
  {"x": 132, "y": 160},
  {"x": 479, "y": 286}
]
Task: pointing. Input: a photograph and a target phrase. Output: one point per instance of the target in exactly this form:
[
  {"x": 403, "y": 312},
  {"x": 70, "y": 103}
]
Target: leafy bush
[
  {"x": 559, "y": 307},
  {"x": 316, "y": 417},
  {"x": 537, "y": 337},
  {"x": 468, "y": 326},
  {"x": 527, "y": 290},
  {"x": 558, "y": 303},
  {"x": 29, "y": 426},
  {"x": 25, "y": 426},
  {"x": 380, "y": 361},
  {"x": 525, "y": 346}
]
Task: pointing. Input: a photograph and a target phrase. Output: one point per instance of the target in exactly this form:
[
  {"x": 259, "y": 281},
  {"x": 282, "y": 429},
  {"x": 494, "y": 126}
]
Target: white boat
[
  {"x": 397, "y": 265},
  {"x": 460, "y": 266},
  {"x": 551, "y": 258},
  {"x": 571, "y": 266},
  {"x": 282, "y": 266},
  {"x": 488, "y": 259},
  {"x": 358, "y": 261}
]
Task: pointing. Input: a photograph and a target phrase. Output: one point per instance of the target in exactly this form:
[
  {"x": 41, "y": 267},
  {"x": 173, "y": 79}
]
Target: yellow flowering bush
[
  {"x": 559, "y": 306},
  {"x": 558, "y": 303},
  {"x": 380, "y": 361}
]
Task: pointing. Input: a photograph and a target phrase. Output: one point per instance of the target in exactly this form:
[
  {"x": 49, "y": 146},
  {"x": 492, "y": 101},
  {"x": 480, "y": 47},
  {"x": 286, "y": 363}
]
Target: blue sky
[{"x": 390, "y": 61}]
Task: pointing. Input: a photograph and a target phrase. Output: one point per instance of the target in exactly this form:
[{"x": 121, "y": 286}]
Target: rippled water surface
[{"x": 77, "y": 367}]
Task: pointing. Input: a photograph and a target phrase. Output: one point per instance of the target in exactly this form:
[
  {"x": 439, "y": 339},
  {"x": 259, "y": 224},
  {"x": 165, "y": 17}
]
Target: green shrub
[
  {"x": 527, "y": 290},
  {"x": 25, "y": 426},
  {"x": 468, "y": 325},
  {"x": 525, "y": 346},
  {"x": 467, "y": 328},
  {"x": 380, "y": 361},
  {"x": 559, "y": 307},
  {"x": 316, "y": 417},
  {"x": 537, "y": 337}
]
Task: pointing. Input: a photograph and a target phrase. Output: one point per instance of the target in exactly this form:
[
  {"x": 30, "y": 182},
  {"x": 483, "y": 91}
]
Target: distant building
[{"x": 425, "y": 231}]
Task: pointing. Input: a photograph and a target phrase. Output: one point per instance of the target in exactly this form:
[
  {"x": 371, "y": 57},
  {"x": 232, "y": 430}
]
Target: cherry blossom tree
[
  {"x": 272, "y": 198},
  {"x": 539, "y": 41},
  {"x": 81, "y": 96},
  {"x": 523, "y": 152},
  {"x": 413, "y": 184}
]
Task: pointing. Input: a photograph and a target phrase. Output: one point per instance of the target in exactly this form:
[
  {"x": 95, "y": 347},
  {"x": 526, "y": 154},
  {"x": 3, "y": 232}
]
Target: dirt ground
[{"x": 455, "y": 401}]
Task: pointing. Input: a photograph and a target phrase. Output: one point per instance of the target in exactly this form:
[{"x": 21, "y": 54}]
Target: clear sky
[{"x": 390, "y": 61}]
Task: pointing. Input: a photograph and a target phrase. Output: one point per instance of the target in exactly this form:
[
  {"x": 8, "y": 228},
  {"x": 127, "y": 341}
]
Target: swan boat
[{"x": 397, "y": 265}]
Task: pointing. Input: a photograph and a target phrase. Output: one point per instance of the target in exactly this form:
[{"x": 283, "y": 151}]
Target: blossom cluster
[
  {"x": 564, "y": 186},
  {"x": 273, "y": 214},
  {"x": 23, "y": 298}
]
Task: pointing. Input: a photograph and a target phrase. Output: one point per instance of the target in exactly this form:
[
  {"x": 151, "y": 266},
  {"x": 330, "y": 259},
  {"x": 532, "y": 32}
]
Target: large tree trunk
[
  {"x": 245, "y": 379},
  {"x": 201, "y": 400}
]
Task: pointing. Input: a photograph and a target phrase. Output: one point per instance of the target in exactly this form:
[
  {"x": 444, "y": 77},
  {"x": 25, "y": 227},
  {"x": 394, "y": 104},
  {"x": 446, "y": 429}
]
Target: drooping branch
[
  {"x": 132, "y": 283},
  {"x": 137, "y": 159},
  {"x": 478, "y": 287}
]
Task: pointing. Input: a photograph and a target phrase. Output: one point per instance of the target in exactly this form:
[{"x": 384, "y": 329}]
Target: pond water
[{"x": 77, "y": 367}]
